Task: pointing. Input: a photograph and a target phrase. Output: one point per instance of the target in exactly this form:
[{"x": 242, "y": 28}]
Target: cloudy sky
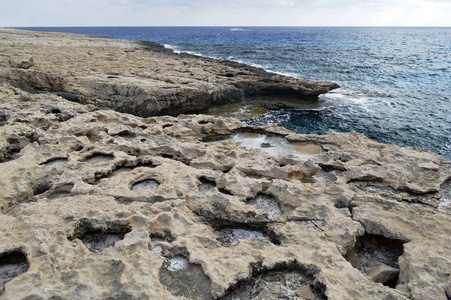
[{"x": 23, "y": 13}]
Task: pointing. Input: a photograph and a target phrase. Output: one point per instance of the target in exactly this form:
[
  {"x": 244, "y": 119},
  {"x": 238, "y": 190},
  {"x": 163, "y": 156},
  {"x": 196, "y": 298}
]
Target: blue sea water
[{"x": 395, "y": 82}]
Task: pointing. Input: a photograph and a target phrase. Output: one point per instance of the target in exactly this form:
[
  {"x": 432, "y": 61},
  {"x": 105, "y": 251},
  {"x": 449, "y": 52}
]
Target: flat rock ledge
[
  {"x": 140, "y": 78},
  {"x": 99, "y": 204}
]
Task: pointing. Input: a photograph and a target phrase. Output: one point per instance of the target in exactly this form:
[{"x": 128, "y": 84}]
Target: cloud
[{"x": 16, "y": 13}]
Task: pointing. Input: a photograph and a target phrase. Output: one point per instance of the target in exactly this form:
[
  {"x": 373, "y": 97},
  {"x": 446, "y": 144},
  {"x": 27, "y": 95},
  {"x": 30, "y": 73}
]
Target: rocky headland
[
  {"x": 140, "y": 78},
  {"x": 105, "y": 197}
]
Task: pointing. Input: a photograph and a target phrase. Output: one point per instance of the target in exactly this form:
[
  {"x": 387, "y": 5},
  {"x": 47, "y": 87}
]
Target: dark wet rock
[
  {"x": 98, "y": 237},
  {"x": 12, "y": 264},
  {"x": 377, "y": 257},
  {"x": 206, "y": 185},
  {"x": 97, "y": 241}
]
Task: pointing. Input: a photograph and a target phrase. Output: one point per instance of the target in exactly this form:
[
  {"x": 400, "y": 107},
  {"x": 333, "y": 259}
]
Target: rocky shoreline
[
  {"x": 101, "y": 204},
  {"x": 140, "y": 78}
]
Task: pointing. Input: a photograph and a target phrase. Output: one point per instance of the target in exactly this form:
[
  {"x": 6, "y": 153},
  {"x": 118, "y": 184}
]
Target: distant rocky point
[
  {"x": 100, "y": 204},
  {"x": 137, "y": 77}
]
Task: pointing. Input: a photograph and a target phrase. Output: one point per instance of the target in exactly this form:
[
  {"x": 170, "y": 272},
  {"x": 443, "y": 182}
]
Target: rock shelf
[
  {"x": 208, "y": 218},
  {"x": 141, "y": 78}
]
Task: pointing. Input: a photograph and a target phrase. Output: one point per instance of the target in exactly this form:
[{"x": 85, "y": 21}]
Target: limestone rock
[
  {"x": 305, "y": 293},
  {"x": 382, "y": 273},
  {"x": 147, "y": 190},
  {"x": 140, "y": 78},
  {"x": 99, "y": 204}
]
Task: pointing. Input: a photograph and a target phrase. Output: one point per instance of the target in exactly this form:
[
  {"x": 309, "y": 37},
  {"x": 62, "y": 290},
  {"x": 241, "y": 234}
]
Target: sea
[{"x": 395, "y": 81}]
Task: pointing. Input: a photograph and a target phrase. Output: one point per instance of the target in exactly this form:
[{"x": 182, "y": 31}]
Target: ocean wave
[
  {"x": 289, "y": 74},
  {"x": 353, "y": 96},
  {"x": 232, "y": 58},
  {"x": 178, "y": 51},
  {"x": 173, "y": 48}
]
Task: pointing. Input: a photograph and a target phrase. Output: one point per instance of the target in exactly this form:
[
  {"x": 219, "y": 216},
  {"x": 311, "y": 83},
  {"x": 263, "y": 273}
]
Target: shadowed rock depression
[
  {"x": 288, "y": 284},
  {"x": 377, "y": 257},
  {"x": 12, "y": 265},
  {"x": 184, "y": 279}
]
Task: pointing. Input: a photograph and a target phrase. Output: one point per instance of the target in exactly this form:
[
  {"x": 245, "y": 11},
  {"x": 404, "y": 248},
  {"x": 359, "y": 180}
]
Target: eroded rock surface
[
  {"x": 184, "y": 204},
  {"x": 140, "y": 78}
]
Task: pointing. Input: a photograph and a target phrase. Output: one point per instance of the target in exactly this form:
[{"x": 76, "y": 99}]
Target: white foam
[
  {"x": 357, "y": 97},
  {"x": 196, "y": 53},
  {"x": 173, "y": 48},
  {"x": 178, "y": 51},
  {"x": 231, "y": 58},
  {"x": 288, "y": 74},
  {"x": 255, "y": 65}
]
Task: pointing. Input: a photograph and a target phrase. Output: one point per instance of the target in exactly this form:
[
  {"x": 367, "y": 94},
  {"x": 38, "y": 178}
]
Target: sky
[{"x": 31, "y": 13}]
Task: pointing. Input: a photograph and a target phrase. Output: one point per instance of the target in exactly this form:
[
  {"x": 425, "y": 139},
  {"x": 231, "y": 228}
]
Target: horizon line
[{"x": 236, "y": 26}]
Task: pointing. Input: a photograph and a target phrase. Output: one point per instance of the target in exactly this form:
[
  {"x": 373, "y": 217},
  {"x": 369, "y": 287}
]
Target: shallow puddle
[
  {"x": 149, "y": 185},
  {"x": 275, "y": 145},
  {"x": 158, "y": 250},
  {"x": 177, "y": 263},
  {"x": 184, "y": 279},
  {"x": 232, "y": 236}
]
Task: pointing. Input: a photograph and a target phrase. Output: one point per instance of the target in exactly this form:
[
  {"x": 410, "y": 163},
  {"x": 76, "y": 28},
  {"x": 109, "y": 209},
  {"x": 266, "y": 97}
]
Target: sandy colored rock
[
  {"x": 305, "y": 293},
  {"x": 107, "y": 205},
  {"x": 168, "y": 186},
  {"x": 382, "y": 273}
]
